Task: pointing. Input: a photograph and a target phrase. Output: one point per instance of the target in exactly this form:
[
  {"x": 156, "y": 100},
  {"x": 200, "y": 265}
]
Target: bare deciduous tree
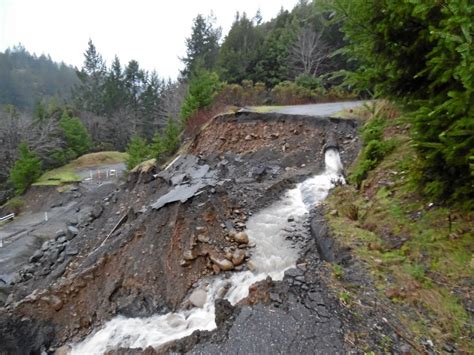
[
  {"x": 308, "y": 52},
  {"x": 172, "y": 99},
  {"x": 13, "y": 130}
]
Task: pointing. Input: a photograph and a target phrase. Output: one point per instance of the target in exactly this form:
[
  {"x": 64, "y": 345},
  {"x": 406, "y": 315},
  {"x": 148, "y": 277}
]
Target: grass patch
[
  {"x": 420, "y": 254},
  {"x": 67, "y": 173},
  {"x": 99, "y": 158},
  {"x": 59, "y": 176}
]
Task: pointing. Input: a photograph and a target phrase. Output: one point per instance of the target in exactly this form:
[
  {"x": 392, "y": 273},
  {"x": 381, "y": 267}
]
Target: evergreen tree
[
  {"x": 202, "y": 89},
  {"x": 150, "y": 104},
  {"x": 272, "y": 67},
  {"x": 157, "y": 147},
  {"x": 202, "y": 47},
  {"x": 114, "y": 90},
  {"x": 134, "y": 82},
  {"x": 26, "y": 79},
  {"x": 26, "y": 169},
  {"x": 92, "y": 76},
  {"x": 421, "y": 55},
  {"x": 76, "y": 135},
  {"x": 171, "y": 136},
  {"x": 240, "y": 50},
  {"x": 138, "y": 151}
]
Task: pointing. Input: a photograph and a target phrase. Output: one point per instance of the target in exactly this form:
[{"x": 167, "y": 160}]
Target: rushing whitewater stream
[{"x": 272, "y": 256}]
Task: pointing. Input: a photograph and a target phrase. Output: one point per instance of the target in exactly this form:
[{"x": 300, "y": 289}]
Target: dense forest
[
  {"x": 26, "y": 79},
  {"x": 320, "y": 50}
]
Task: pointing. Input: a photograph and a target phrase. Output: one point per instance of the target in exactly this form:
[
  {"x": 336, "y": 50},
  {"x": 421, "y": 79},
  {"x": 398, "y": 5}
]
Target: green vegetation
[
  {"x": 374, "y": 149},
  {"x": 421, "y": 55},
  {"x": 419, "y": 253},
  {"x": 161, "y": 147},
  {"x": 202, "y": 89},
  {"x": 99, "y": 158},
  {"x": 26, "y": 169},
  {"x": 67, "y": 173},
  {"x": 15, "y": 205},
  {"x": 76, "y": 136},
  {"x": 138, "y": 151},
  {"x": 58, "y": 176},
  {"x": 27, "y": 79}
]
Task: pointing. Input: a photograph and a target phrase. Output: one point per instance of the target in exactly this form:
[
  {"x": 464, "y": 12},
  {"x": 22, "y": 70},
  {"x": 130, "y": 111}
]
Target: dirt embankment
[{"x": 150, "y": 242}]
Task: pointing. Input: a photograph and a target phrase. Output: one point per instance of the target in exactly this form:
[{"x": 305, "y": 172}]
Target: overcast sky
[{"x": 150, "y": 31}]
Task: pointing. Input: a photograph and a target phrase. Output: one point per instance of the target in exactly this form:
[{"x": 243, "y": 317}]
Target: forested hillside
[{"x": 26, "y": 79}]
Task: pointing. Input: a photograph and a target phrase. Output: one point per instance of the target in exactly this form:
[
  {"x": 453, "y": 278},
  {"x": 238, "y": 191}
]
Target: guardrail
[{"x": 6, "y": 218}]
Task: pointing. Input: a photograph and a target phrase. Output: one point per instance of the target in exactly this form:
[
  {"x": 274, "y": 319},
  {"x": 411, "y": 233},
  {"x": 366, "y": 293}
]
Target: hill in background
[{"x": 26, "y": 78}]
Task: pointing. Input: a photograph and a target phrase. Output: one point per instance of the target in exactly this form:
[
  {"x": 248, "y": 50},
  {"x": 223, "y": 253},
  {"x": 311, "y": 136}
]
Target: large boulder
[
  {"x": 241, "y": 238},
  {"x": 223, "y": 264},
  {"x": 198, "y": 298},
  {"x": 71, "y": 232}
]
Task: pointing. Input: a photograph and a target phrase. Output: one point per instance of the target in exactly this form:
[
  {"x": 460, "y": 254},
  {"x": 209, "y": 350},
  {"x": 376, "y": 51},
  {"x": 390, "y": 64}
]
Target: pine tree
[
  {"x": 92, "y": 76},
  {"x": 202, "y": 88},
  {"x": 26, "y": 169},
  {"x": 138, "y": 151},
  {"x": 114, "y": 90},
  {"x": 421, "y": 55},
  {"x": 76, "y": 135},
  {"x": 171, "y": 136},
  {"x": 202, "y": 47},
  {"x": 240, "y": 50}
]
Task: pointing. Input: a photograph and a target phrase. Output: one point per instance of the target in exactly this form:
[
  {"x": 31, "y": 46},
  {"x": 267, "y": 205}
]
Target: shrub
[
  {"x": 202, "y": 88},
  {"x": 309, "y": 82},
  {"x": 375, "y": 148},
  {"x": 421, "y": 54},
  {"x": 25, "y": 170},
  {"x": 171, "y": 136},
  {"x": 287, "y": 92},
  {"x": 138, "y": 151},
  {"x": 15, "y": 205},
  {"x": 77, "y": 138}
]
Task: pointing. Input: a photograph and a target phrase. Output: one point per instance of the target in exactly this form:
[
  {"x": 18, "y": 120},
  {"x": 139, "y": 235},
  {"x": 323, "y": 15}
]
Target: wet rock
[
  {"x": 71, "y": 250},
  {"x": 53, "y": 255},
  {"x": 62, "y": 239},
  {"x": 203, "y": 238},
  {"x": 241, "y": 238},
  {"x": 36, "y": 256},
  {"x": 216, "y": 269},
  {"x": 45, "y": 246},
  {"x": 43, "y": 272},
  {"x": 56, "y": 303},
  {"x": 63, "y": 350},
  {"x": 224, "y": 311},
  {"x": 251, "y": 266},
  {"x": 97, "y": 211},
  {"x": 198, "y": 298},
  {"x": 71, "y": 232},
  {"x": 60, "y": 233},
  {"x": 238, "y": 257},
  {"x": 184, "y": 263},
  {"x": 275, "y": 297},
  {"x": 189, "y": 255},
  {"x": 223, "y": 264},
  {"x": 28, "y": 269}
]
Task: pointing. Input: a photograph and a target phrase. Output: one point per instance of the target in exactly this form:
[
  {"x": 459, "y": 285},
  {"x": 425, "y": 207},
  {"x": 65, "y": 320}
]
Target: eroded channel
[{"x": 272, "y": 256}]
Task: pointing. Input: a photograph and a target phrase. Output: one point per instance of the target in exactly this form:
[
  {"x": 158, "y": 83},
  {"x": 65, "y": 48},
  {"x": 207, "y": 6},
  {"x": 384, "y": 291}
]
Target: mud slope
[{"x": 150, "y": 242}]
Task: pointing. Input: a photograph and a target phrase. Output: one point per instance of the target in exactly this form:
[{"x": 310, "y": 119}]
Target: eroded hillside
[{"x": 149, "y": 243}]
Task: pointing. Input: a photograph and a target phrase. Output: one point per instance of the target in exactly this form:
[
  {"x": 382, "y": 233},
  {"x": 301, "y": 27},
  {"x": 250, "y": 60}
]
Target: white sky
[{"x": 150, "y": 31}]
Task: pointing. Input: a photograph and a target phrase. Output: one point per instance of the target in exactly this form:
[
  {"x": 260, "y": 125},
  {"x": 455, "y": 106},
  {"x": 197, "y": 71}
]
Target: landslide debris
[{"x": 147, "y": 245}]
